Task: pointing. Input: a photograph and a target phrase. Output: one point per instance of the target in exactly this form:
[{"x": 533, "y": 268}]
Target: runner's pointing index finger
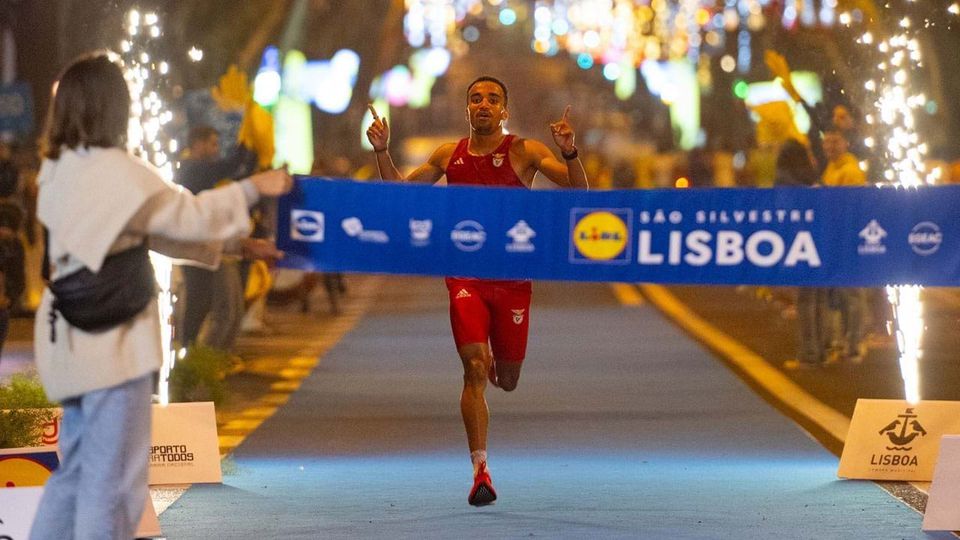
[
  {"x": 373, "y": 112},
  {"x": 566, "y": 112}
]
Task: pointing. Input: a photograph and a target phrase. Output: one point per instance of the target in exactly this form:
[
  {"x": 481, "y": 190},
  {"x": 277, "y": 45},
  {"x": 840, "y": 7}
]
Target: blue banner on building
[{"x": 786, "y": 236}]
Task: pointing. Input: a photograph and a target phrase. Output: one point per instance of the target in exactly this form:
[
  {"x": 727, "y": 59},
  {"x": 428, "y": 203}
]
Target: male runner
[{"x": 490, "y": 318}]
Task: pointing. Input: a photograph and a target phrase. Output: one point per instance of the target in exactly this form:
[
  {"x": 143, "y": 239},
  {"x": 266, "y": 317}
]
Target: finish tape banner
[{"x": 782, "y": 236}]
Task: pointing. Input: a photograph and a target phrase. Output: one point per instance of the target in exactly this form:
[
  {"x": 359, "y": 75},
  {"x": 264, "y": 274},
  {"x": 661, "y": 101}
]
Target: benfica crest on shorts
[
  {"x": 517, "y": 315},
  {"x": 498, "y": 159}
]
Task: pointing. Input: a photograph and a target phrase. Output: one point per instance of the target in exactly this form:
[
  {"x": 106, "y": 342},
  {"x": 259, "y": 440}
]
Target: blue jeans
[{"x": 100, "y": 489}]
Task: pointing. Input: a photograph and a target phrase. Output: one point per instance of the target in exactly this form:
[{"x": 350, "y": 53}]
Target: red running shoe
[{"x": 482, "y": 492}]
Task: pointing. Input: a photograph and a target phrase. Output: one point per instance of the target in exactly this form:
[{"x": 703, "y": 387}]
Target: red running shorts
[{"x": 493, "y": 311}]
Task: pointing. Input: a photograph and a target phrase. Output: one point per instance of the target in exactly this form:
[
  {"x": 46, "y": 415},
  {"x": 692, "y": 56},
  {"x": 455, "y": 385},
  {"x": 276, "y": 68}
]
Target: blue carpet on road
[{"x": 621, "y": 428}]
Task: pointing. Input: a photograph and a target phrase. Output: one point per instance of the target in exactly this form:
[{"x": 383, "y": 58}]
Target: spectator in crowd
[
  {"x": 214, "y": 296},
  {"x": 12, "y": 217},
  {"x": 843, "y": 120},
  {"x": 843, "y": 169},
  {"x": 333, "y": 282},
  {"x": 795, "y": 168}
]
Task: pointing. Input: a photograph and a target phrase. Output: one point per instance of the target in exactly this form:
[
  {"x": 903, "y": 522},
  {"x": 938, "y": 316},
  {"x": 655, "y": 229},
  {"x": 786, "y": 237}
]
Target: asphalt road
[{"x": 622, "y": 427}]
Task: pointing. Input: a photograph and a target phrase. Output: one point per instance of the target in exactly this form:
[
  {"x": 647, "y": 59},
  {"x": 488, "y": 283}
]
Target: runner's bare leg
[{"x": 476, "y": 360}]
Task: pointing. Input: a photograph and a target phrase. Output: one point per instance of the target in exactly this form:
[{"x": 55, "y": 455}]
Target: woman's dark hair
[{"x": 90, "y": 106}]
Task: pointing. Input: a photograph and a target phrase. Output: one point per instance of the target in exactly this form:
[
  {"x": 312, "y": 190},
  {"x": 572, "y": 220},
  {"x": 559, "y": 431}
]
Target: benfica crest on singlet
[
  {"x": 517, "y": 315},
  {"x": 498, "y": 159}
]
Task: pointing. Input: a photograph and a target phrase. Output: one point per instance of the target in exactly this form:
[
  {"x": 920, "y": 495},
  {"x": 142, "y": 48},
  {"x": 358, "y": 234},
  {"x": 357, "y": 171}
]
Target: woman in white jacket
[{"x": 96, "y": 200}]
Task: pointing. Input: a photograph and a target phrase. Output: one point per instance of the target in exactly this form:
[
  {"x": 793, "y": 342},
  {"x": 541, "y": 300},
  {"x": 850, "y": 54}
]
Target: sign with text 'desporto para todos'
[
  {"x": 896, "y": 440},
  {"x": 184, "y": 448}
]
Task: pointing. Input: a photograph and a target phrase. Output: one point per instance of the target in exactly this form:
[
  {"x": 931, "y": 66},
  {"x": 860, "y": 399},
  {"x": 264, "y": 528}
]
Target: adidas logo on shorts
[{"x": 463, "y": 294}]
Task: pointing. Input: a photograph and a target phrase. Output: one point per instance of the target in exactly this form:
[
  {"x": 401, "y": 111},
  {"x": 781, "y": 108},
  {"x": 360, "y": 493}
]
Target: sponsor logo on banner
[
  {"x": 468, "y": 235},
  {"x": 925, "y": 238},
  {"x": 872, "y": 235},
  {"x": 420, "y": 230},
  {"x": 306, "y": 225},
  {"x": 521, "y": 233},
  {"x": 354, "y": 229},
  {"x": 762, "y": 248},
  {"x": 600, "y": 235}
]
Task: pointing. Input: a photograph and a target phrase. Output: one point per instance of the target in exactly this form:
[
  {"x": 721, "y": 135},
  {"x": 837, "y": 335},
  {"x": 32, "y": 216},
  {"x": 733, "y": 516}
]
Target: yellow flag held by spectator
[{"x": 776, "y": 124}]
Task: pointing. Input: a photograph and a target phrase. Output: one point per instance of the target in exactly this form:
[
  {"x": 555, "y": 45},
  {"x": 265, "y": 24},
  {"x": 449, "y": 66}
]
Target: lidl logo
[{"x": 600, "y": 235}]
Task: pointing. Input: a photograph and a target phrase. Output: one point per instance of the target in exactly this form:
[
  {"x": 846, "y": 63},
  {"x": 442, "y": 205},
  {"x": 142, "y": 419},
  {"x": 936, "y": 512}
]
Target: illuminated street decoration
[
  {"x": 328, "y": 84},
  {"x": 267, "y": 83},
  {"x": 613, "y": 32},
  {"x": 146, "y": 74},
  {"x": 675, "y": 83},
  {"x": 621, "y": 36},
  {"x": 426, "y": 65},
  {"x": 293, "y": 127},
  {"x": 433, "y": 20}
]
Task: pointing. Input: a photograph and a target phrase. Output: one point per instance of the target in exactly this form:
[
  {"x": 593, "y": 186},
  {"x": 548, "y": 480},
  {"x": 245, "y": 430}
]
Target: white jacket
[{"x": 100, "y": 201}]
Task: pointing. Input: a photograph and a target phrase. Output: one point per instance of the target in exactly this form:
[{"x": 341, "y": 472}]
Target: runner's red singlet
[
  {"x": 493, "y": 169},
  {"x": 483, "y": 310}
]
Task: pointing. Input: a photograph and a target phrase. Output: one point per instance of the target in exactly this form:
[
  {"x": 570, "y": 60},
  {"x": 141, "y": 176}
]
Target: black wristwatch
[{"x": 571, "y": 156}]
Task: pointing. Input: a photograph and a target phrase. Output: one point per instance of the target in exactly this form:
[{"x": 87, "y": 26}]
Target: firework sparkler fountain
[
  {"x": 896, "y": 141},
  {"x": 146, "y": 73}
]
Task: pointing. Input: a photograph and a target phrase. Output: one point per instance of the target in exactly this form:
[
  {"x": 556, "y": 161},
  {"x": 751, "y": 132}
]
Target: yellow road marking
[
  {"x": 258, "y": 412},
  {"x": 294, "y": 369},
  {"x": 230, "y": 440},
  {"x": 243, "y": 424},
  {"x": 627, "y": 294},
  {"x": 752, "y": 364},
  {"x": 285, "y": 386}
]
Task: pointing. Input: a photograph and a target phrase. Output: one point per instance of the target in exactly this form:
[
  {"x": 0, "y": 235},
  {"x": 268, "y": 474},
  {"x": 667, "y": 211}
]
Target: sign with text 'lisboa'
[{"x": 788, "y": 236}]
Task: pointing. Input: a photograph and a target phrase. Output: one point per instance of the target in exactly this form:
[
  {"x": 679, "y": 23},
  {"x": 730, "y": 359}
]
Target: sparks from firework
[
  {"x": 903, "y": 157},
  {"x": 146, "y": 76}
]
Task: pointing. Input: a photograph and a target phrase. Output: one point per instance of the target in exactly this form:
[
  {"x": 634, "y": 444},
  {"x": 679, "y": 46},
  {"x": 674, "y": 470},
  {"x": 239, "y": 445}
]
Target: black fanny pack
[{"x": 99, "y": 301}]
